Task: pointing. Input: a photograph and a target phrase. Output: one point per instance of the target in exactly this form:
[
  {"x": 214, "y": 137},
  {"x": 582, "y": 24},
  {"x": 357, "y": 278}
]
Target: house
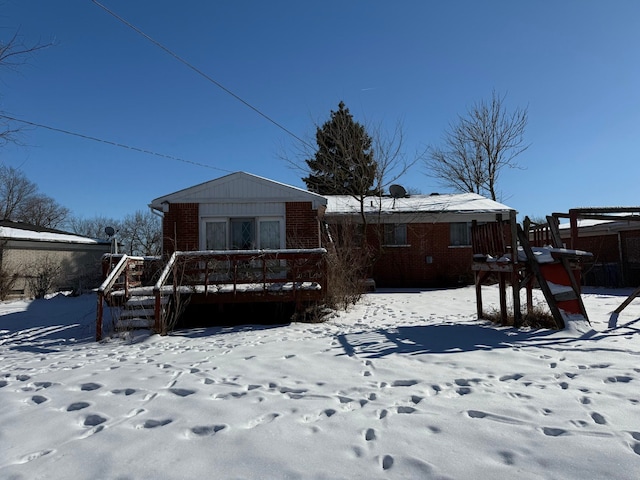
[
  {"x": 31, "y": 255},
  {"x": 613, "y": 241},
  {"x": 421, "y": 240},
  {"x": 240, "y": 211},
  {"x": 241, "y": 239}
]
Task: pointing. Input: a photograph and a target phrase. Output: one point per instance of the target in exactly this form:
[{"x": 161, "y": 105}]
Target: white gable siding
[
  {"x": 242, "y": 209},
  {"x": 240, "y": 187}
]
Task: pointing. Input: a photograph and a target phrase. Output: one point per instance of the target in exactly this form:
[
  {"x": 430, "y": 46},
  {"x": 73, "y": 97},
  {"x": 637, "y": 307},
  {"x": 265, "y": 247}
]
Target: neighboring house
[
  {"x": 240, "y": 211},
  {"x": 422, "y": 240},
  {"x": 615, "y": 245},
  {"x": 28, "y": 252}
]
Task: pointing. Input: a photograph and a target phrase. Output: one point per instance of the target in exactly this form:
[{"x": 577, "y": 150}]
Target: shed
[{"x": 28, "y": 252}]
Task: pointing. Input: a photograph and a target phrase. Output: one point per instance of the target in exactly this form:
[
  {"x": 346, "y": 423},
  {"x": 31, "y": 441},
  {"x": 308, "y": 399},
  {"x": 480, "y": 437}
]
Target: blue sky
[{"x": 574, "y": 64}]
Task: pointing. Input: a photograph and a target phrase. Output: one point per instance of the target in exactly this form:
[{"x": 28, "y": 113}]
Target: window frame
[
  {"x": 395, "y": 235},
  {"x": 455, "y": 239}
]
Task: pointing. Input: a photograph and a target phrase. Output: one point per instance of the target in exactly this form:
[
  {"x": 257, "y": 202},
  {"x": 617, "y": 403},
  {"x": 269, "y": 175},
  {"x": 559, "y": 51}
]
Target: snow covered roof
[
  {"x": 461, "y": 203},
  {"x": 24, "y": 231},
  {"x": 591, "y": 225}
]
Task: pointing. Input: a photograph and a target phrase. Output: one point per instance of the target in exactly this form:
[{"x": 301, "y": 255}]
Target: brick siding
[
  {"x": 181, "y": 228},
  {"x": 302, "y": 225},
  {"x": 408, "y": 266}
]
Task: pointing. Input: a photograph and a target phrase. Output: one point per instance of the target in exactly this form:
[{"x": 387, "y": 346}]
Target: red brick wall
[
  {"x": 408, "y": 267},
  {"x": 181, "y": 228},
  {"x": 302, "y": 225}
]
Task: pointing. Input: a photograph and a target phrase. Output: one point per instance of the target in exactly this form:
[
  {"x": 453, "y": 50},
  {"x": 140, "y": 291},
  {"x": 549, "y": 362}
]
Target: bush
[
  {"x": 7, "y": 282},
  {"x": 537, "y": 318},
  {"x": 44, "y": 275}
]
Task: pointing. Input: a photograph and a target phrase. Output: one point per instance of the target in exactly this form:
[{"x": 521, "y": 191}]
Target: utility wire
[
  {"x": 200, "y": 72},
  {"x": 115, "y": 144}
]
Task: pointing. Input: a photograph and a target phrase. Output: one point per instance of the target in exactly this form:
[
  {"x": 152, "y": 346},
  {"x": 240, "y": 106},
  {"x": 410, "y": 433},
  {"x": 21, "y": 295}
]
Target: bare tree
[
  {"x": 21, "y": 201},
  {"x": 92, "y": 227},
  {"x": 15, "y": 189},
  {"x": 13, "y": 53},
  {"x": 42, "y": 211},
  {"x": 141, "y": 234},
  {"x": 479, "y": 146}
]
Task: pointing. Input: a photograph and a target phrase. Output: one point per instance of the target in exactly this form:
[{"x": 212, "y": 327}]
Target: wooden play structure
[{"x": 524, "y": 256}]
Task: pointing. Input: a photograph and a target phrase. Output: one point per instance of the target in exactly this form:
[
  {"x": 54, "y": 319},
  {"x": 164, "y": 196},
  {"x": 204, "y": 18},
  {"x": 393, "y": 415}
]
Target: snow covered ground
[{"x": 407, "y": 384}]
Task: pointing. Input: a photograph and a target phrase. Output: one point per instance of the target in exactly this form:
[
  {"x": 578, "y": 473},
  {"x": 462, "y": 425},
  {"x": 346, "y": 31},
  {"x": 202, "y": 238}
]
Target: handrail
[
  {"x": 105, "y": 288},
  {"x": 114, "y": 274},
  {"x": 165, "y": 272},
  {"x": 234, "y": 275}
]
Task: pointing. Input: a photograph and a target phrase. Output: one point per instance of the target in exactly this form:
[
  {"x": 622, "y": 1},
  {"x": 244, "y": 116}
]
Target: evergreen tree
[{"x": 344, "y": 163}]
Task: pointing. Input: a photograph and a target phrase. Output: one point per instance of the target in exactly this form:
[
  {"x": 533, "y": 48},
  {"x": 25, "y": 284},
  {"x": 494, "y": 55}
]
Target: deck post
[
  {"x": 479, "y": 278},
  {"x": 515, "y": 275},
  {"x": 99, "y": 313}
]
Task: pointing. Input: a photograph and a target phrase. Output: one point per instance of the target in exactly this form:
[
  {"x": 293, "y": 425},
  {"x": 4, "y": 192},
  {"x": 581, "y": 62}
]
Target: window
[
  {"x": 243, "y": 235},
  {"x": 395, "y": 234},
  {"x": 216, "y": 235},
  {"x": 460, "y": 234},
  {"x": 270, "y": 234}
]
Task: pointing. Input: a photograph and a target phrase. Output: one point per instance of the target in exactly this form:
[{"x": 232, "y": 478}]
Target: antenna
[
  {"x": 110, "y": 231},
  {"x": 397, "y": 191}
]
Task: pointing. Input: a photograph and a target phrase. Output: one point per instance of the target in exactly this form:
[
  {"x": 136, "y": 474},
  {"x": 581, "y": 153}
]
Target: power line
[
  {"x": 200, "y": 72},
  {"x": 115, "y": 144}
]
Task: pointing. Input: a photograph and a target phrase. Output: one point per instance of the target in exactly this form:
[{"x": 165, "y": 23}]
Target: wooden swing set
[{"x": 503, "y": 251}]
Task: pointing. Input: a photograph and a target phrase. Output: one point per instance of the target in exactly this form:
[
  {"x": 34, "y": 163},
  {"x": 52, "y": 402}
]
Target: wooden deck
[{"x": 214, "y": 277}]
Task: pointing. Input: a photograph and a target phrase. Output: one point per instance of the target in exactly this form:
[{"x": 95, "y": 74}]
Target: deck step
[
  {"x": 133, "y": 322},
  {"x": 137, "y": 312}
]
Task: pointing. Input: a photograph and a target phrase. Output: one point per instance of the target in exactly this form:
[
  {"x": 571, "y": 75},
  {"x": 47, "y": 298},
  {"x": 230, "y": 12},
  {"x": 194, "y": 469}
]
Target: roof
[
  {"x": 461, "y": 203},
  {"x": 239, "y": 187},
  {"x": 602, "y": 226},
  {"x": 25, "y": 231}
]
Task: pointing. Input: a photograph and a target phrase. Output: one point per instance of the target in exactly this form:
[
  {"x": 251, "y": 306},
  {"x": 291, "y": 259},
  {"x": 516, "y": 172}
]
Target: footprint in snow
[
  {"x": 404, "y": 409},
  {"x": 34, "y": 456},
  {"x": 93, "y": 420},
  {"x": 553, "y": 432},
  {"x": 207, "y": 430},
  {"x": 514, "y": 376},
  {"x": 370, "y": 435},
  {"x": 263, "y": 420},
  {"x": 88, "y": 387},
  {"x": 619, "y": 379},
  {"x": 126, "y": 391},
  {"x": 43, "y": 384},
  {"x": 386, "y": 462},
  {"x": 182, "y": 392},
  {"x": 404, "y": 383},
  {"x": 77, "y": 406},
  {"x": 151, "y": 423}
]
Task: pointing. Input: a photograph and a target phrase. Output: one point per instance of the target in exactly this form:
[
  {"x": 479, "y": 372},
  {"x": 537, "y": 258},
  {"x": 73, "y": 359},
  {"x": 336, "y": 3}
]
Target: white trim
[{"x": 227, "y": 221}]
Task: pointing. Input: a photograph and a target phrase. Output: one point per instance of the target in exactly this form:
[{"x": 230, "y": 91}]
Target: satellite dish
[
  {"x": 109, "y": 231},
  {"x": 397, "y": 191}
]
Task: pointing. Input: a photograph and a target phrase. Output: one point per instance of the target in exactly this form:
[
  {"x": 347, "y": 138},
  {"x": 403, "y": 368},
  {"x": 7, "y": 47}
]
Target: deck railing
[
  {"x": 122, "y": 272},
  {"x": 234, "y": 272}
]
